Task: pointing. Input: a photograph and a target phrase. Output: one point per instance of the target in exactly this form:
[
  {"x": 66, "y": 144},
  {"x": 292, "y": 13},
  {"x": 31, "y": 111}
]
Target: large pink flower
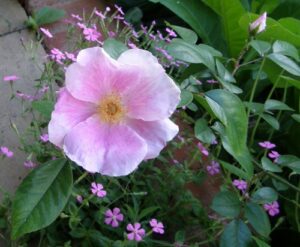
[{"x": 113, "y": 114}]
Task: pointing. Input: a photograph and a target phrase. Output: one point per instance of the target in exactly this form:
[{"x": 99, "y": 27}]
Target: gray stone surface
[
  {"x": 12, "y": 16},
  {"x": 24, "y": 58}
]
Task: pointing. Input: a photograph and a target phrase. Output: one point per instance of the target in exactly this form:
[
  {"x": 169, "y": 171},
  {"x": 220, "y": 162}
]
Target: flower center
[{"x": 111, "y": 109}]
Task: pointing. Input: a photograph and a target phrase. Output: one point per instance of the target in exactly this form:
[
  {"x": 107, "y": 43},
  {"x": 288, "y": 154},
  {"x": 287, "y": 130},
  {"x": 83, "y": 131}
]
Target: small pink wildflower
[
  {"x": 240, "y": 184},
  {"x": 70, "y": 56},
  {"x": 274, "y": 155},
  {"x": 111, "y": 34},
  {"x": 29, "y": 164},
  {"x": 272, "y": 208},
  {"x": 160, "y": 36},
  {"x": 144, "y": 28},
  {"x": 152, "y": 36},
  {"x": 171, "y": 32},
  {"x": 44, "y": 89},
  {"x": 77, "y": 17},
  {"x": 131, "y": 45},
  {"x": 99, "y": 13},
  {"x": 157, "y": 227},
  {"x": 267, "y": 145},
  {"x": 11, "y": 78},
  {"x": 97, "y": 189},
  {"x": 211, "y": 81},
  {"x": 259, "y": 24},
  {"x": 24, "y": 96},
  {"x": 91, "y": 34},
  {"x": 79, "y": 198},
  {"x": 119, "y": 17},
  {"x": 135, "y": 34},
  {"x": 81, "y": 25},
  {"x": 213, "y": 168},
  {"x": 44, "y": 138},
  {"x": 57, "y": 55},
  {"x": 136, "y": 232},
  {"x": 119, "y": 9},
  {"x": 202, "y": 149},
  {"x": 113, "y": 217},
  {"x": 46, "y": 32},
  {"x": 6, "y": 152}
]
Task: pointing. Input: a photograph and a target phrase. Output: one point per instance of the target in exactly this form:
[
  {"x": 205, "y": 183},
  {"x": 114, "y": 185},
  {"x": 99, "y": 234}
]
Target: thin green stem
[
  {"x": 81, "y": 177},
  {"x": 282, "y": 180},
  {"x": 255, "y": 84},
  {"x": 260, "y": 115}
]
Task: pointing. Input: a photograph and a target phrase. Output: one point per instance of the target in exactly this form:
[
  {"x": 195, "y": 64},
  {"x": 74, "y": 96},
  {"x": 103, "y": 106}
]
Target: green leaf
[
  {"x": 47, "y": 15},
  {"x": 285, "y": 63},
  {"x": 271, "y": 120},
  {"x": 200, "y": 17},
  {"x": 114, "y": 47},
  {"x": 226, "y": 203},
  {"x": 290, "y": 81},
  {"x": 41, "y": 197},
  {"x": 44, "y": 107},
  {"x": 286, "y": 49},
  {"x": 234, "y": 170},
  {"x": 264, "y": 195},
  {"x": 202, "y": 101},
  {"x": 262, "y": 47},
  {"x": 268, "y": 165},
  {"x": 203, "y": 132},
  {"x": 230, "y": 11},
  {"x": 184, "y": 51},
  {"x": 258, "y": 219},
  {"x": 260, "y": 243},
  {"x": 236, "y": 234},
  {"x": 296, "y": 117},
  {"x": 223, "y": 73},
  {"x": 290, "y": 161},
  {"x": 273, "y": 104},
  {"x": 186, "y": 34},
  {"x": 186, "y": 97},
  {"x": 147, "y": 211},
  {"x": 230, "y": 110},
  {"x": 134, "y": 15}
]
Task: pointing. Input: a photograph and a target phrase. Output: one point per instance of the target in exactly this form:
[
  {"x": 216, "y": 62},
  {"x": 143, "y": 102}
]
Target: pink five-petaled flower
[
  {"x": 97, "y": 189},
  {"x": 113, "y": 217},
  {"x": 44, "y": 137},
  {"x": 157, "y": 227},
  {"x": 10, "y": 78},
  {"x": 240, "y": 184},
  {"x": 46, "y": 32},
  {"x": 259, "y": 24},
  {"x": 274, "y": 155},
  {"x": 136, "y": 232},
  {"x": 267, "y": 145},
  {"x": 213, "y": 168},
  {"x": 113, "y": 114},
  {"x": 5, "y": 151},
  {"x": 91, "y": 34},
  {"x": 272, "y": 208}
]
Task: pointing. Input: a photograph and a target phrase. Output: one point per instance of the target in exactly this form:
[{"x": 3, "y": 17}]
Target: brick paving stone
[
  {"x": 12, "y": 16},
  {"x": 27, "y": 64}
]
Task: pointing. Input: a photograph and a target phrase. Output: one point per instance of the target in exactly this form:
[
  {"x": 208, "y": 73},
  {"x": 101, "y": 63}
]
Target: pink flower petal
[
  {"x": 113, "y": 150},
  {"x": 125, "y": 152},
  {"x": 108, "y": 221},
  {"x": 130, "y": 236},
  {"x": 67, "y": 113},
  {"x": 109, "y": 213},
  {"x": 156, "y": 96},
  {"x": 90, "y": 78},
  {"x": 155, "y": 133},
  {"x": 130, "y": 227}
]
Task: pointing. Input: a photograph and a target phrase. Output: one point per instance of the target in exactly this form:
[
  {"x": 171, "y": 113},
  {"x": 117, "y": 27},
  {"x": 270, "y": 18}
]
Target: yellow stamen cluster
[{"x": 111, "y": 109}]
